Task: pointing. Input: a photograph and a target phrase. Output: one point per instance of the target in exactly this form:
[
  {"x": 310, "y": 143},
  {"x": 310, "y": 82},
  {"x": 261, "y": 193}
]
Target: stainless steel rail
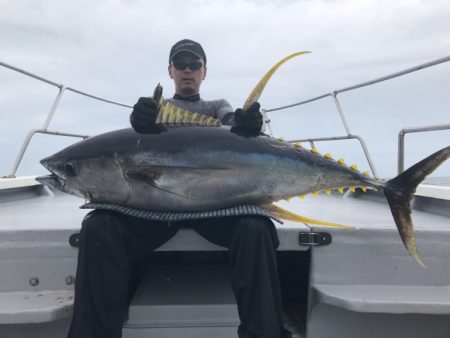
[
  {"x": 44, "y": 130},
  {"x": 334, "y": 93},
  {"x": 401, "y": 141}
]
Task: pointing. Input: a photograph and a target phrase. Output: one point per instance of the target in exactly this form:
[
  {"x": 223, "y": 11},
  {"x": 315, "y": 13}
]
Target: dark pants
[{"x": 112, "y": 243}]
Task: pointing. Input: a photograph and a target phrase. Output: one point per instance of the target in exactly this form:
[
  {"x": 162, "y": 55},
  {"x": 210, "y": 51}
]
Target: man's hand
[
  {"x": 143, "y": 117},
  {"x": 249, "y": 122}
]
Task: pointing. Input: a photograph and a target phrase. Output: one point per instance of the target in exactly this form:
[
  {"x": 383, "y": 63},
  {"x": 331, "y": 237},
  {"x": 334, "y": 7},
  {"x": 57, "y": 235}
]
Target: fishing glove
[
  {"x": 248, "y": 122},
  {"x": 143, "y": 117}
]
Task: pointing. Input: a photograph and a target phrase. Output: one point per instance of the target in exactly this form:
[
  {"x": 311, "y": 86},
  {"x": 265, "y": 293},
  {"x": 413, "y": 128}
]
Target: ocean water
[{"x": 443, "y": 181}]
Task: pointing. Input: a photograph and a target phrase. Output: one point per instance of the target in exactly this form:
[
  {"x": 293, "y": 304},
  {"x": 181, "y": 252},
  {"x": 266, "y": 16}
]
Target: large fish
[{"x": 192, "y": 169}]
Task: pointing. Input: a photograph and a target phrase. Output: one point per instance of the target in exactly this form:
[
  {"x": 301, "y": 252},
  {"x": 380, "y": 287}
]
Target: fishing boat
[{"x": 357, "y": 282}]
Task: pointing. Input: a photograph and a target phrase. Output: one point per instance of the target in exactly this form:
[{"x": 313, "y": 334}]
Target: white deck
[{"x": 364, "y": 270}]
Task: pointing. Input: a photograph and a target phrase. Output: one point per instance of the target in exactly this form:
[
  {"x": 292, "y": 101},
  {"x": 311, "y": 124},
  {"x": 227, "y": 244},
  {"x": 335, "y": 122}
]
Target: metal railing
[
  {"x": 44, "y": 129},
  {"x": 401, "y": 141},
  {"x": 333, "y": 94},
  {"x": 349, "y": 135}
]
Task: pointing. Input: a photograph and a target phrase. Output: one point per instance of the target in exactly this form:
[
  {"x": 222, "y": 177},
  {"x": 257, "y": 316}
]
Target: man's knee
[
  {"x": 257, "y": 228},
  {"x": 97, "y": 223},
  {"x": 256, "y": 224}
]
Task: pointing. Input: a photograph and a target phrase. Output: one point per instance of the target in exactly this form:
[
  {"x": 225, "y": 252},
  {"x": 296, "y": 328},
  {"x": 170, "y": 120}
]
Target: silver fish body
[{"x": 193, "y": 169}]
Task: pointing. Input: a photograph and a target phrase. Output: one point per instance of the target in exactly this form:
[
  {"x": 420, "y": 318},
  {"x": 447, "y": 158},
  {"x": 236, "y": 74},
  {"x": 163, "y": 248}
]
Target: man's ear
[
  {"x": 204, "y": 75},
  {"x": 169, "y": 68}
]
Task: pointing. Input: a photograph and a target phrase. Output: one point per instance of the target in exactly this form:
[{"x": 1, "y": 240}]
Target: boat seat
[
  {"x": 35, "y": 306},
  {"x": 395, "y": 299}
]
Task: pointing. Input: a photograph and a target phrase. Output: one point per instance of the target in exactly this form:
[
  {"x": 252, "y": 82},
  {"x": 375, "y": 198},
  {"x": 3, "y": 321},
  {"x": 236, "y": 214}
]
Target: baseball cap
[{"x": 187, "y": 45}]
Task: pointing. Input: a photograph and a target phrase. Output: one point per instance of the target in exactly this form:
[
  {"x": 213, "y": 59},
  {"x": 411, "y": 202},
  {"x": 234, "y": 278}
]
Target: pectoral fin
[{"x": 290, "y": 216}]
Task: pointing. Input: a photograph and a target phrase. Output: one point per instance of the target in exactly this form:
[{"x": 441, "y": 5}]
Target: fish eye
[{"x": 69, "y": 169}]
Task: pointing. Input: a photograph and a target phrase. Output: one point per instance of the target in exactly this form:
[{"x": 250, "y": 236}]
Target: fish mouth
[{"x": 52, "y": 181}]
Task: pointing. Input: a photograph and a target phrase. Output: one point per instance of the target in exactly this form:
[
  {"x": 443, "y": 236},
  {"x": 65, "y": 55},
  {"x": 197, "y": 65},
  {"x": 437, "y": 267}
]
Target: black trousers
[{"x": 112, "y": 243}]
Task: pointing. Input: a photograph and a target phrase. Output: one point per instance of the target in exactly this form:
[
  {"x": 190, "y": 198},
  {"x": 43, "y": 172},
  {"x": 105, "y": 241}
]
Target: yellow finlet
[
  {"x": 255, "y": 94},
  {"x": 288, "y": 199},
  {"x": 352, "y": 189},
  {"x": 341, "y": 161},
  {"x": 290, "y": 216},
  {"x": 301, "y": 196},
  {"x": 297, "y": 145},
  {"x": 315, "y": 193},
  {"x": 314, "y": 150},
  {"x": 281, "y": 139},
  {"x": 328, "y": 191},
  {"x": 364, "y": 189},
  {"x": 354, "y": 167},
  {"x": 366, "y": 173},
  {"x": 329, "y": 156},
  {"x": 341, "y": 190}
]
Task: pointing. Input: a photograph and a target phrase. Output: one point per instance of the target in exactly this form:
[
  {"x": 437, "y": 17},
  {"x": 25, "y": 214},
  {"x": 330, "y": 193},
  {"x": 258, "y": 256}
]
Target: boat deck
[{"x": 363, "y": 271}]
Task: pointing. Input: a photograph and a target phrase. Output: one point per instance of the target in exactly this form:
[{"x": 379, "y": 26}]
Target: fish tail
[{"x": 399, "y": 192}]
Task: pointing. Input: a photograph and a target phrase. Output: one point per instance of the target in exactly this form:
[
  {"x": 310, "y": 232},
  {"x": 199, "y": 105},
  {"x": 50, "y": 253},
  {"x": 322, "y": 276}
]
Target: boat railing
[
  {"x": 44, "y": 129},
  {"x": 333, "y": 95},
  {"x": 349, "y": 135}
]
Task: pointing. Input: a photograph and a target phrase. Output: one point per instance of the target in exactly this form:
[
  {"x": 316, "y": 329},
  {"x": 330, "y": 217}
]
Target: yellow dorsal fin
[
  {"x": 290, "y": 216},
  {"x": 173, "y": 115},
  {"x": 255, "y": 94},
  {"x": 179, "y": 116}
]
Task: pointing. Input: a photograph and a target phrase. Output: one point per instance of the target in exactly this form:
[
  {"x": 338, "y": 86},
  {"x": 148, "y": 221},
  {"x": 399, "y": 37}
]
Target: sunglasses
[{"x": 181, "y": 65}]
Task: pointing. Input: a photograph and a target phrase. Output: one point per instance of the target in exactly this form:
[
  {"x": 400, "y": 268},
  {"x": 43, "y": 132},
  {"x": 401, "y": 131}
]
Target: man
[{"x": 111, "y": 244}]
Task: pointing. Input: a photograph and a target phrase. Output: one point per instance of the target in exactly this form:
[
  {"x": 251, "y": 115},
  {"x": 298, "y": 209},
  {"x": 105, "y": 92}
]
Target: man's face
[{"x": 187, "y": 81}]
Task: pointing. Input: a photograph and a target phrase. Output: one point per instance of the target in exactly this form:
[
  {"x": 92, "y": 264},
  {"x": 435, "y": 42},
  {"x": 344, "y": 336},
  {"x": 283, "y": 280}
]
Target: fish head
[
  {"x": 89, "y": 177},
  {"x": 64, "y": 174}
]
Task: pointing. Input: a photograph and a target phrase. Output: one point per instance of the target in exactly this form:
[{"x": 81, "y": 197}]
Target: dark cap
[{"x": 189, "y": 46}]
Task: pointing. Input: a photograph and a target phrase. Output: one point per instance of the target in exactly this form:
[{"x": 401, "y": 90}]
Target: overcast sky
[{"x": 119, "y": 50}]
